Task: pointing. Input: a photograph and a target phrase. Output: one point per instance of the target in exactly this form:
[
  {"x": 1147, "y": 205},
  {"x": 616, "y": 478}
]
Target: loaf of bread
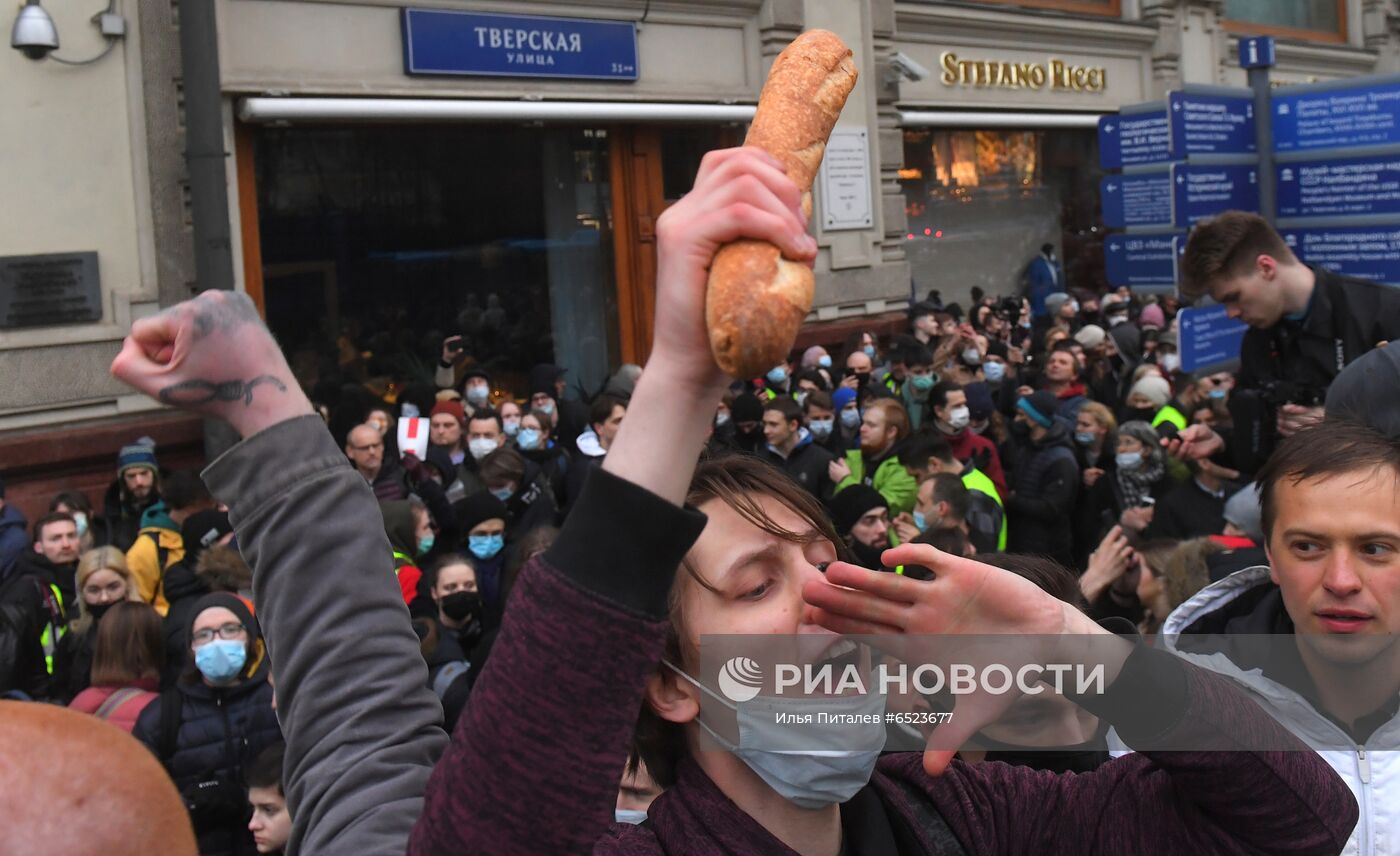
[{"x": 757, "y": 299}]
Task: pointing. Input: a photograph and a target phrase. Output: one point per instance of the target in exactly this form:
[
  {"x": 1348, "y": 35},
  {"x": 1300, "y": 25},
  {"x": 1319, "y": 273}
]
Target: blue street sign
[
  {"x": 1207, "y": 338},
  {"x": 1200, "y": 191},
  {"x": 1208, "y": 124},
  {"x": 1141, "y": 199},
  {"x": 1351, "y": 186},
  {"x": 1129, "y": 139},
  {"x": 1363, "y": 114},
  {"x": 1369, "y": 252},
  {"x": 472, "y": 43},
  {"x": 1136, "y": 260},
  {"x": 1257, "y": 52}
]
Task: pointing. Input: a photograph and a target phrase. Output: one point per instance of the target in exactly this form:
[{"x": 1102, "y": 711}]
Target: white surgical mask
[
  {"x": 958, "y": 418},
  {"x": 481, "y": 447},
  {"x": 511, "y": 425},
  {"x": 994, "y": 372},
  {"x": 478, "y": 394},
  {"x": 821, "y": 428},
  {"x": 850, "y": 418},
  {"x": 1169, "y": 362}
]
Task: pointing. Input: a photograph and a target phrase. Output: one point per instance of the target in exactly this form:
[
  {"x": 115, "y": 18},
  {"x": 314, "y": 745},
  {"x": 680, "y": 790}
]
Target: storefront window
[
  {"x": 981, "y": 203},
  {"x": 1325, "y": 18},
  {"x": 377, "y": 242}
]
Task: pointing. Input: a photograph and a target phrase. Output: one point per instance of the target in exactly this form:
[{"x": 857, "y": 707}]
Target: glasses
[
  {"x": 232, "y": 630},
  {"x": 370, "y": 447}
]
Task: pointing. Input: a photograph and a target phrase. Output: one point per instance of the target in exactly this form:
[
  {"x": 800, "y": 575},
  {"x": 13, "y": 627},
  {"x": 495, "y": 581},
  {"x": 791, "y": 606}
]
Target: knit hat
[
  {"x": 1168, "y": 337},
  {"x": 1040, "y": 406},
  {"x": 477, "y": 509},
  {"x": 1055, "y": 302},
  {"x": 1152, "y": 317},
  {"x": 451, "y": 408},
  {"x": 476, "y": 371},
  {"x": 1090, "y": 336},
  {"x": 853, "y": 503},
  {"x": 200, "y": 530},
  {"x": 543, "y": 377},
  {"x": 979, "y": 401},
  {"x": 1242, "y": 510},
  {"x": 239, "y": 607},
  {"x": 841, "y": 397},
  {"x": 998, "y": 348},
  {"x": 141, "y": 453},
  {"x": 1363, "y": 392},
  {"x": 1153, "y": 388},
  {"x": 746, "y": 408}
]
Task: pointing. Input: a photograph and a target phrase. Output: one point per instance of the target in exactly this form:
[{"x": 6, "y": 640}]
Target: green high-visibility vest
[
  {"x": 975, "y": 479},
  {"x": 1172, "y": 415},
  {"x": 52, "y": 633}
]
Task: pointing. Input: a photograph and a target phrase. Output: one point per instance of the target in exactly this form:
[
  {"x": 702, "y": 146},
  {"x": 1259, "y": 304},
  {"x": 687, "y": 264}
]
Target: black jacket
[
  {"x": 183, "y": 590},
  {"x": 1188, "y": 511},
  {"x": 123, "y": 515},
  {"x": 222, "y": 730},
  {"x": 22, "y": 618},
  {"x": 64, "y": 576},
  {"x": 554, "y": 465},
  {"x": 807, "y": 465},
  {"x": 1040, "y": 507},
  {"x": 72, "y": 664},
  {"x": 532, "y": 505}
]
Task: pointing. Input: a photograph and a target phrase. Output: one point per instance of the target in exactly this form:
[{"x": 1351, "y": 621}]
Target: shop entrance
[{"x": 370, "y": 243}]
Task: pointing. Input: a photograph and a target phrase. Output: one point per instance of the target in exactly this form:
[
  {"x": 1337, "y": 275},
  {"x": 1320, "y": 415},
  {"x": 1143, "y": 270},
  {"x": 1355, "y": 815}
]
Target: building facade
[{"x": 369, "y": 203}]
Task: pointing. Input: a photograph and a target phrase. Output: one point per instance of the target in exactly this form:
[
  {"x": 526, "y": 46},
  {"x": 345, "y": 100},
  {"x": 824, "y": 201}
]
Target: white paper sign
[
  {"x": 845, "y": 181},
  {"x": 413, "y": 437}
]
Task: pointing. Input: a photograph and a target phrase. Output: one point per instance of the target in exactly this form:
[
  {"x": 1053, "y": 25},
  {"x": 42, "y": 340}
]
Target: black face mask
[
  {"x": 97, "y": 610},
  {"x": 1138, "y": 414},
  {"x": 461, "y": 605}
]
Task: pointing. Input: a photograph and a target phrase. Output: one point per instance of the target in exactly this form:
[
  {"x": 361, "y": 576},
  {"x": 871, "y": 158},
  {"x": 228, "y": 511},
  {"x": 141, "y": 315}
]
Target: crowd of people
[{"x": 1035, "y": 463}]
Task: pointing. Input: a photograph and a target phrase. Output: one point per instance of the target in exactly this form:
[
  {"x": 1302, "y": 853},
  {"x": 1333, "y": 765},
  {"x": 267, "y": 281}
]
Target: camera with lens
[
  {"x": 1255, "y": 415},
  {"x": 1008, "y": 308}
]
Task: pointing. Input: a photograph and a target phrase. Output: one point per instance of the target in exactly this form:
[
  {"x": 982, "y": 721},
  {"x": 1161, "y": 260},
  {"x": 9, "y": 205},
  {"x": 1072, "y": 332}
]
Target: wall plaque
[{"x": 49, "y": 290}]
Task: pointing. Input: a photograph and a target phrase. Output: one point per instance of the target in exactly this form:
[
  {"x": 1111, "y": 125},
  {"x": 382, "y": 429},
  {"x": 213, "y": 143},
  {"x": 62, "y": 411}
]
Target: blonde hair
[
  {"x": 94, "y": 560},
  {"x": 1101, "y": 414}
]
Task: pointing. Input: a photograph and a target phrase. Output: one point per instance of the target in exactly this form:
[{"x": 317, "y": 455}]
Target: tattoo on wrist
[{"x": 200, "y": 391}]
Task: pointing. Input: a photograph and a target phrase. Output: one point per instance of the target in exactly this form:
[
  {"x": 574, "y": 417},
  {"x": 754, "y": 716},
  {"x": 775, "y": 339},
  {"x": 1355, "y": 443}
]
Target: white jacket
[{"x": 1373, "y": 776}]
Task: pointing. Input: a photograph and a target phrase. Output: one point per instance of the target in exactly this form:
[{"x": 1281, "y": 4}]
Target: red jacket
[{"x": 966, "y": 444}]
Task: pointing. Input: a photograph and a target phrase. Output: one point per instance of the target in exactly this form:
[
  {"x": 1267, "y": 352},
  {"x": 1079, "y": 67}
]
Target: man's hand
[
  {"x": 851, "y": 382},
  {"x": 966, "y": 598},
  {"x": 214, "y": 356},
  {"x": 1106, "y": 564},
  {"x": 1135, "y": 519},
  {"x": 1091, "y": 476},
  {"x": 838, "y": 471},
  {"x": 738, "y": 193},
  {"x": 452, "y": 350},
  {"x": 904, "y": 527},
  {"x": 1293, "y": 418},
  {"x": 1194, "y": 443},
  {"x": 1015, "y": 356}
]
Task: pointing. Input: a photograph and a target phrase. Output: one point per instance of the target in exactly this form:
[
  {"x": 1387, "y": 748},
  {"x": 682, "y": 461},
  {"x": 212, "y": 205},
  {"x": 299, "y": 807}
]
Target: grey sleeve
[
  {"x": 362, "y": 728},
  {"x": 445, "y": 377}
]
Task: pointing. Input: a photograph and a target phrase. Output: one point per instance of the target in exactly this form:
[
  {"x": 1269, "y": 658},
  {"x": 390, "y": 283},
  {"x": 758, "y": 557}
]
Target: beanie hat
[
  {"x": 239, "y": 607},
  {"x": 1152, "y": 317},
  {"x": 476, "y": 371},
  {"x": 979, "y": 401},
  {"x": 477, "y": 509},
  {"x": 841, "y": 397},
  {"x": 1168, "y": 337},
  {"x": 1356, "y": 394},
  {"x": 200, "y": 530},
  {"x": 451, "y": 408},
  {"x": 1090, "y": 336},
  {"x": 853, "y": 503},
  {"x": 1040, "y": 406},
  {"x": 1242, "y": 510},
  {"x": 746, "y": 408},
  {"x": 543, "y": 377},
  {"x": 1153, "y": 388},
  {"x": 141, "y": 453},
  {"x": 998, "y": 348},
  {"x": 1055, "y": 302}
]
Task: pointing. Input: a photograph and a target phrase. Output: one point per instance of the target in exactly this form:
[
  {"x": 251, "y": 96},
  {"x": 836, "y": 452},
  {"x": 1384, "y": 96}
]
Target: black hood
[{"x": 180, "y": 582}]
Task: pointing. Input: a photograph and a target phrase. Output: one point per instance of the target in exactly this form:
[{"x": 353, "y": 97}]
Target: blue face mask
[
  {"x": 503, "y": 493},
  {"x": 547, "y": 408},
  {"x": 777, "y": 374},
  {"x": 528, "y": 438},
  {"x": 485, "y": 546},
  {"x": 994, "y": 372},
  {"x": 221, "y": 660},
  {"x": 921, "y": 383},
  {"x": 1217, "y": 394},
  {"x": 920, "y": 521},
  {"x": 512, "y": 427},
  {"x": 821, "y": 428},
  {"x": 629, "y": 815},
  {"x": 1129, "y": 460},
  {"x": 425, "y": 543},
  {"x": 478, "y": 394},
  {"x": 824, "y": 361},
  {"x": 869, "y": 351},
  {"x": 1084, "y": 438},
  {"x": 850, "y": 418}
]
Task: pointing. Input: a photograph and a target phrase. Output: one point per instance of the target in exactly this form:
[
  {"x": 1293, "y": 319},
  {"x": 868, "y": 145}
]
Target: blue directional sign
[
  {"x": 1257, "y": 52},
  {"x": 1207, "y": 338},
  {"x": 1328, "y": 188},
  {"x": 1142, "y": 199},
  {"x": 1201, "y": 191},
  {"x": 1337, "y": 117},
  {"x": 1369, "y": 252},
  {"x": 1130, "y": 139},
  {"x": 1138, "y": 260},
  {"x": 439, "y": 41},
  {"x": 1210, "y": 124}
]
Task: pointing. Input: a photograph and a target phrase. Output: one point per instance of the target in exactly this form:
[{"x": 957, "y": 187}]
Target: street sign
[
  {"x": 1208, "y": 339},
  {"x": 1200, "y": 191},
  {"x": 1257, "y": 52},
  {"x": 1210, "y": 124},
  {"x": 1130, "y": 139},
  {"x": 1351, "y": 186},
  {"x": 1368, "y": 252},
  {"x": 1136, "y": 260},
  {"x": 1141, "y": 199},
  {"x": 1309, "y": 118},
  {"x": 441, "y": 41}
]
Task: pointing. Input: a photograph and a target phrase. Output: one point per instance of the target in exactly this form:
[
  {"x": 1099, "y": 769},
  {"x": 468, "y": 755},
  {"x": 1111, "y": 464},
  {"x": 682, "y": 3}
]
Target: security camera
[
  {"x": 905, "y": 67},
  {"x": 34, "y": 34}
]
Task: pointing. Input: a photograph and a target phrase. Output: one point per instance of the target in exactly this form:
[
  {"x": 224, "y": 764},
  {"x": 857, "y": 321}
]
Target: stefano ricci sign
[
  {"x": 443, "y": 42},
  {"x": 1052, "y": 75}
]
